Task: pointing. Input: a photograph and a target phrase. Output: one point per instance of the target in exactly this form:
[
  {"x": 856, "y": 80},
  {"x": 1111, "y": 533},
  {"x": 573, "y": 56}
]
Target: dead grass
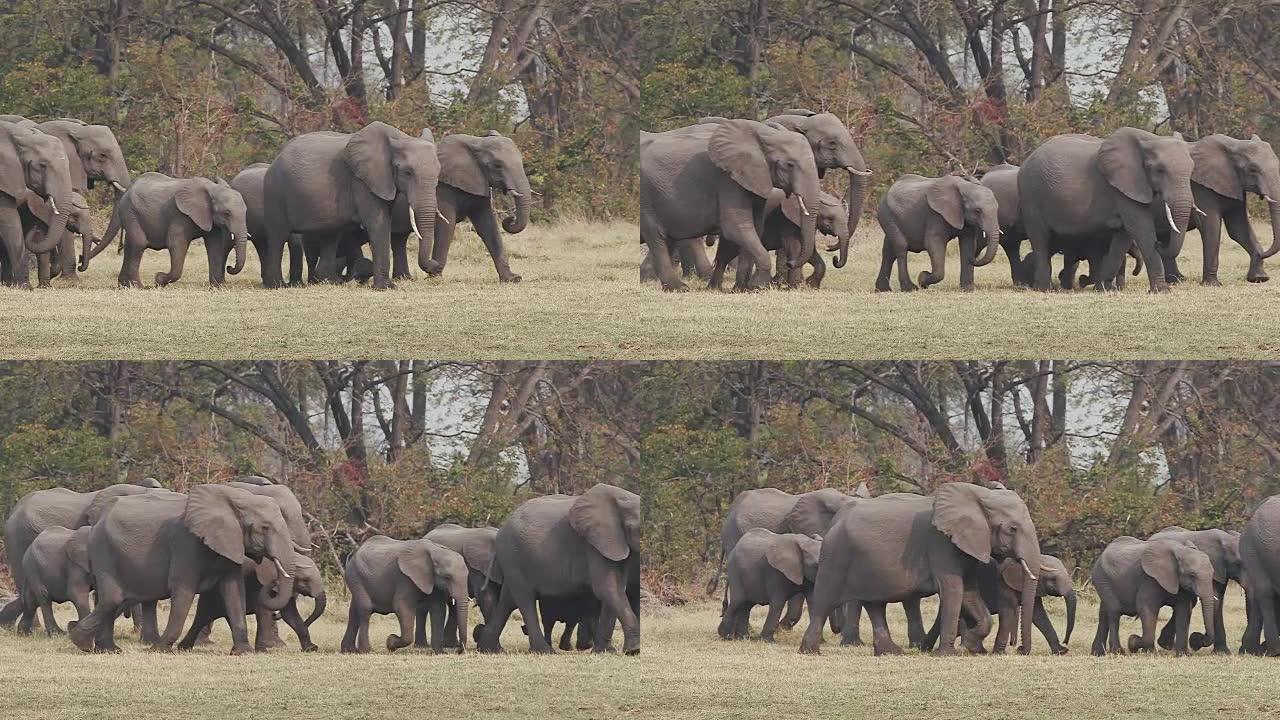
[
  {"x": 48, "y": 678},
  {"x": 702, "y": 677},
  {"x": 581, "y": 299}
]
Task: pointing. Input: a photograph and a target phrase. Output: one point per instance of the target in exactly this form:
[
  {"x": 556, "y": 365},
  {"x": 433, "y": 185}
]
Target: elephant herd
[
  {"x": 244, "y": 547},
  {"x": 325, "y": 196},
  {"x": 976, "y": 548},
  {"x": 754, "y": 186}
]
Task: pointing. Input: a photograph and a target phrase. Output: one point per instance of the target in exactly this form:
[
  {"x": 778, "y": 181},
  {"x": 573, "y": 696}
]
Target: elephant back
[
  {"x": 290, "y": 508},
  {"x": 759, "y": 508},
  {"x": 475, "y": 545}
]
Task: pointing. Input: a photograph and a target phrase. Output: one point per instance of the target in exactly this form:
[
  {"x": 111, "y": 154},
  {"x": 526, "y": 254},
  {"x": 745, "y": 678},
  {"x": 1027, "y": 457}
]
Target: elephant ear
[
  {"x": 945, "y": 199},
  {"x": 193, "y": 201},
  {"x": 791, "y": 210},
  {"x": 1159, "y": 563},
  {"x": 595, "y": 517},
  {"x": 39, "y": 207},
  {"x": 958, "y": 514},
  {"x": 266, "y": 573},
  {"x": 1120, "y": 161},
  {"x": 1215, "y": 167},
  {"x": 427, "y": 135},
  {"x": 811, "y": 514},
  {"x": 862, "y": 490},
  {"x": 211, "y": 517},
  {"x": 735, "y": 149},
  {"x": 784, "y": 555},
  {"x": 414, "y": 559},
  {"x": 12, "y": 177},
  {"x": 367, "y": 155},
  {"x": 1012, "y": 575},
  {"x": 458, "y": 165},
  {"x": 78, "y": 549}
]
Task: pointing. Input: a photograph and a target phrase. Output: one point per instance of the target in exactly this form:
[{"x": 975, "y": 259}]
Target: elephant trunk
[
  {"x": 322, "y": 600},
  {"x": 1207, "y": 603},
  {"x": 277, "y": 598},
  {"x": 239, "y": 236},
  {"x": 57, "y": 226},
  {"x": 279, "y": 551},
  {"x": 1273, "y": 205},
  {"x": 422, "y": 218},
  {"x": 461, "y": 605},
  {"x": 88, "y": 237},
  {"x": 859, "y": 183},
  {"x": 519, "y": 189},
  {"x": 1070, "y": 598},
  {"x": 990, "y": 228},
  {"x": 113, "y": 229}
]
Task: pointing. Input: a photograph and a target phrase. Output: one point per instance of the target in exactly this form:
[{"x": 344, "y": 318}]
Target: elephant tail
[{"x": 715, "y": 579}]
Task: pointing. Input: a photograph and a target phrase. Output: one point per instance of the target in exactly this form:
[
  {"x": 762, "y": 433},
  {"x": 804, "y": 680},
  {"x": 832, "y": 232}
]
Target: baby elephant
[
  {"x": 766, "y": 568},
  {"x": 1136, "y": 577},
  {"x": 399, "y": 576},
  {"x": 56, "y": 568},
  {"x": 781, "y": 232},
  {"x": 920, "y": 214},
  {"x": 160, "y": 212}
]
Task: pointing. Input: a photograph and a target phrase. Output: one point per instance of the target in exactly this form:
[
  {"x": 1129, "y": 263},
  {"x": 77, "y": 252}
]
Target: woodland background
[{"x": 205, "y": 87}]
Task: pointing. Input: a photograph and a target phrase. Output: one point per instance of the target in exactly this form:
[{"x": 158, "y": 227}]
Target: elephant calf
[
  {"x": 1137, "y": 577},
  {"x": 920, "y": 214},
  {"x": 781, "y": 233},
  {"x": 399, "y": 576},
  {"x": 56, "y": 570},
  {"x": 307, "y": 580},
  {"x": 766, "y": 568}
]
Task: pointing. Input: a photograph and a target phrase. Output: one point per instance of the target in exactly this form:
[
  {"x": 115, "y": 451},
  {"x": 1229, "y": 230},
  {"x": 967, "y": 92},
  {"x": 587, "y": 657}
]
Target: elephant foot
[
  {"x": 1159, "y": 287},
  {"x": 1174, "y": 279},
  {"x": 1166, "y": 643},
  {"x": 107, "y": 650},
  {"x": 810, "y": 647},
  {"x": 892, "y": 648},
  {"x": 310, "y": 647},
  {"x": 81, "y": 639},
  {"x": 786, "y": 625},
  {"x": 813, "y": 283},
  {"x": 160, "y": 648},
  {"x": 1199, "y": 641},
  {"x": 924, "y": 279},
  {"x": 245, "y": 649},
  {"x": 632, "y": 652},
  {"x": 969, "y": 288},
  {"x": 882, "y": 285},
  {"x": 1135, "y": 644},
  {"x": 162, "y": 279},
  {"x": 131, "y": 284},
  {"x": 768, "y": 638},
  {"x": 401, "y": 276},
  {"x": 1260, "y": 277},
  {"x": 395, "y": 643},
  {"x": 383, "y": 284},
  {"x": 1211, "y": 281},
  {"x": 851, "y": 642},
  {"x": 1060, "y": 650},
  {"x": 509, "y": 278},
  {"x": 677, "y": 286},
  {"x": 943, "y": 650}
]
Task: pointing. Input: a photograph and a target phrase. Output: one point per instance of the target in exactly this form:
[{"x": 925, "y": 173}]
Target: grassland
[{"x": 580, "y": 298}]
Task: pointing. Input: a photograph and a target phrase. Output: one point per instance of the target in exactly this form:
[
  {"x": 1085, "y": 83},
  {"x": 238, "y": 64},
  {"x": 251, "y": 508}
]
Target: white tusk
[
  {"x": 287, "y": 575},
  {"x": 514, "y": 193},
  {"x": 233, "y": 237},
  {"x": 803, "y": 209},
  {"x": 851, "y": 169},
  {"x": 1268, "y": 199},
  {"x": 117, "y": 186},
  {"x": 1027, "y": 569},
  {"x": 1168, "y": 212},
  {"x": 442, "y": 218},
  {"x": 414, "y": 222},
  {"x": 53, "y": 205},
  {"x": 1197, "y": 209}
]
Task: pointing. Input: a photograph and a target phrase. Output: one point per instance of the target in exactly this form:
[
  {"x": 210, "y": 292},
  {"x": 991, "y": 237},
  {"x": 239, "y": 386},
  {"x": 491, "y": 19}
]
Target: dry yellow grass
[{"x": 581, "y": 299}]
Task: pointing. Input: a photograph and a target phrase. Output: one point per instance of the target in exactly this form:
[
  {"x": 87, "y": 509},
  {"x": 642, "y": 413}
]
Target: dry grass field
[
  {"x": 48, "y": 678},
  {"x": 700, "y": 677},
  {"x": 580, "y": 298}
]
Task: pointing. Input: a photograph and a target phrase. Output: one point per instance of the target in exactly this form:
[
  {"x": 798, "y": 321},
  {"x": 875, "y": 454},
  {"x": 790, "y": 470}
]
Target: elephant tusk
[
  {"x": 851, "y": 170},
  {"x": 1028, "y": 570},
  {"x": 803, "y": 208},
  {"x": 440, "y": 216},
  {"x": 1197, "y": 209},
  {"x": 515, "y": 194},
  {"x": 1268, "y": 199},
  {"x": 1168, "y": 213},
  {"x": 414, "y": 222},
  {"x": 119, "y": 188},
  {"x": 281, "y": 568},
  {"x": 53, "y": 205}
]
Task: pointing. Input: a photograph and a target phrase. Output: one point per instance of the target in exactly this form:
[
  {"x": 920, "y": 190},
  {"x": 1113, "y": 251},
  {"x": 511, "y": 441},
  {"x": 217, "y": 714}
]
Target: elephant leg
[
  {"x": 496, "y": 622},
  {"x": 1219, "y": 625},
  {"x": 399, "y": 257},
  {"x": 795, "y": 609},
  {"x": 725, "y": 254},
  {"x": 931, "y": 636},
  {"x": 208, "y": 608},
  {"x": 1041, "y": 249},
  {"x": 602, "y": 631},
  {"x": 1040, "y": 619},
  {"x": 1146, "y": 641},
  {"x": 1211, "y": 240},
  {"x": 1181, "y": 621},
  {"x": 1241, "y": 230},
  {"x": 742, "y": 622},
  {"x": 693, "y": 259},
  {"x": 95, "y": 632},
  {"x": 819, "y": 270},
  {"x": 950, "y": 595},
  {"x": 776, "y": 606},
  {"x": 357, "y": 615},
  {"x": 50, "y": 627},
  {"x": 405, "y": 608},
  {"x": 217, "y": 251},
  {"x": 1266, "y": 604},
  {"x": 743, "y": 274},
  {"x": 566, "y": 637},
  {"x": 654, "y": 236},
  {"x": 586, "y": 635},
  {"x": 295, "y": 621},
  {"x": 882, "y": 642},
  {"x": 611, "y": 589},
  {"x": 44, "y": 268},
  {"x": 851, "y": 630},
  {"x": 968, "y": 242},
  {"x": 178, "y": 244},
  {"x": 887, "y": 258},
  {"x": 443, "y": 239},
  {"x": 529, "y": 611},
  {"x": 12, "y": 237},
  {"x": 915, "y": 622},
  {"x": 976, "y": 609},
  {"x": 904, "y": 273},
  {"x": 937, "y": 251},
  {"x": 420, "y": 629},
  {"x": 1141, "y": 229},
  {"x": 135, "y": 244},
  {"x": 148, "y": 626},
  {"x": 486, "y": 226},
  {"x": 1165, "y": 638},
  {"x": 1099, "y": 647},
  {"x": 729, "y": 618},
  {"x": 180, "y": 600}
]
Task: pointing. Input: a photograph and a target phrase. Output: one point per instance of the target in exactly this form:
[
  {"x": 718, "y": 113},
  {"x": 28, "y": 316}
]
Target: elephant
[
  {"x": 1138, "y": 577},
  {"x": 782, "y": 230},
  {"x": 55, "y": 569},
  {"x": 327, "y": 185},
  {"x": 1223, "y": 549},
  {"x": 921, "y": 214},
  {"x": 716, "y": 177},
  {"x": 565, "y": 545},
  {"x": 31, "y": 162},
  {"x": 159, "y": 212},
  {"x": 902, "y": 547},
  {"x": 484, "y": 577},
  {"x": 1001, "y": 587},
  {"x": 168, "y": 545},
  {"x": 766, "y": 568},
  {"x": 1226, "y": 171},
  {"x": 36, "y": 511},
  {"x": 307, "y": 580},
  {"x": 36, "y": 218},
  {"x": 579, "y": 612},
  {"x": 1128, "y": 187},
  {"x": 1260, "y": 560},
  {"x": 472, "y": 169},
  {"x": 400, "y": 576}
]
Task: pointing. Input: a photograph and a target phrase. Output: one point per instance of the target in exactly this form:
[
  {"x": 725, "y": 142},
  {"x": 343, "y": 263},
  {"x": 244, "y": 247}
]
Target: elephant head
[
  {"x": 833, "y": 147},
  {"x": 94, "y": 154},
  {"x": 1178, "y": 566},
  {"x": 815, "y": 511},
  {"x": 1151, "y": 170},
  {"x": 79, "y": 221},
  {"x": 967, "y": 205},
  {"x": 1054, "y": 580},
  {"x": 795, "y": 556},
  {"x": 477, "y": 165},
  {"x": 1232, "y": 168},
  {"x": 240, "y": 526},
  {"x": 252, "y": 480},
  {"x": 33, "y": 162},
  {"x": 608, "y": 518},
  {"x": 985, "y": 523},
  {"x": 760, "y": 157},
  {"x": 308, "y": 581},
  {"x": 290, "y": 509},
  {"x": 214, "y": 207},
  {"x": 390, "y": 163},
  {"x": 434, "y": 567}
]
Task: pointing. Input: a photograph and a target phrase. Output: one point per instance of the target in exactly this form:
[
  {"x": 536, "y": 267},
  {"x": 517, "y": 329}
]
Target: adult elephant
[
  {"x": 1126, "y": 188},
  {"x": 766, "y": 568},
  {"x": 1138, "y": 577},
  {"x": 716, "y": 177},
  {"x": 399, "y": 576},
  {"x": 160, "y": 212},
  {"x": 166, "y": 545},
  {"x": 922, "y": 214},
  {"x": 564, "y": 546},
  {"x": 30, "y": 162},
  {"x": 484, "y": 577},
  {"x": 781, "y": 233},
  {"x": 902, "y": 547},
  {"x": 1223, "y": 549},
  {"x": 1260, "y": 559},
  {"x": 472, "y": 169},
  {"x": 55, "y": 569},
  {"x": 1226, "y": 171},
  {"x": 329, "y": 185},
  {"x": 36, "y": 511}
]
